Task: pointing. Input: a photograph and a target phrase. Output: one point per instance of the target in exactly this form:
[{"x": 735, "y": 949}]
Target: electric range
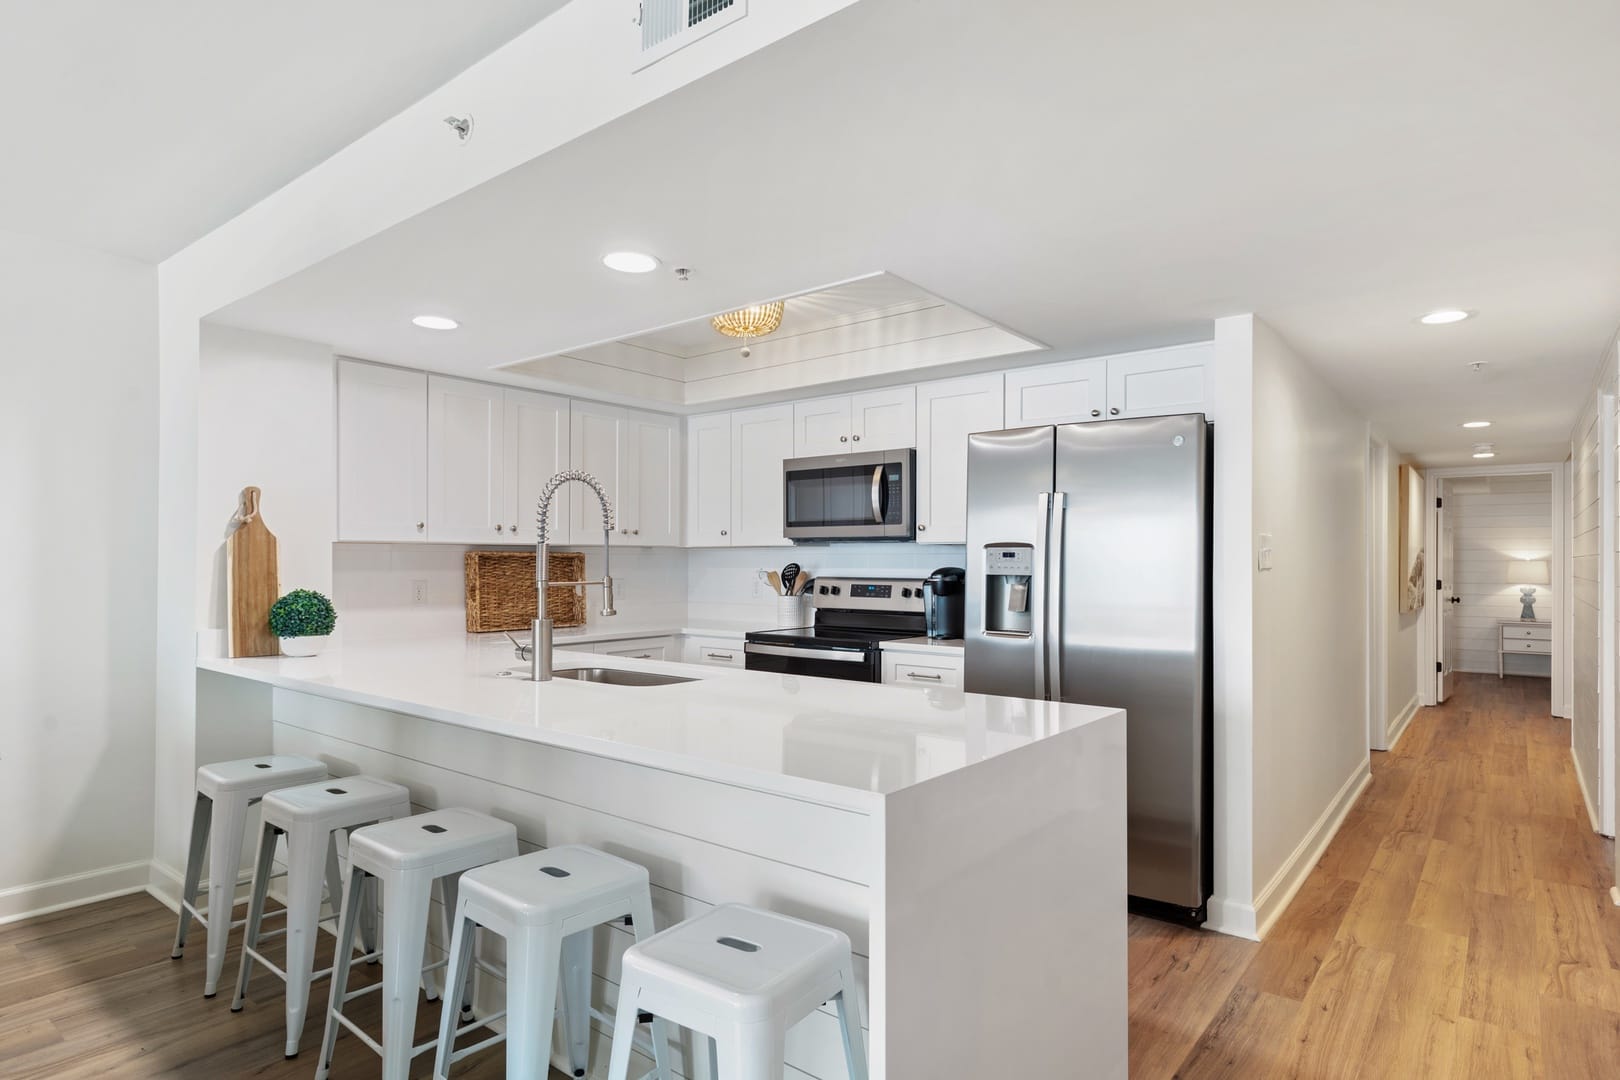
[{"x": 853, "y": 617}]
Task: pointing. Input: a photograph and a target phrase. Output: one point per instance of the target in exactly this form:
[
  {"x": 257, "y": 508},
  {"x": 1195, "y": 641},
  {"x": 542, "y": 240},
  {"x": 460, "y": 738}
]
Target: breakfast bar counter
[{"x": 972, "y": 847}]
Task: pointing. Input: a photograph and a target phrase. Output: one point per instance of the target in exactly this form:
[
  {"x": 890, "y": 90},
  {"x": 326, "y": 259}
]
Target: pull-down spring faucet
[{"x": 540, "y": 641}]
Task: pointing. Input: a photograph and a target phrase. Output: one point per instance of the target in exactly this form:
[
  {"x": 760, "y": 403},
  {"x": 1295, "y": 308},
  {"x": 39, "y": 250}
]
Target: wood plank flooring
[{"x": 1458, "y": 927}]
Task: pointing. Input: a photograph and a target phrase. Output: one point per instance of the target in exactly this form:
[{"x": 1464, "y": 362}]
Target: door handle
[
  {"x": 1454, "y": 599},
  {"x": 1054, "y": 605},
  {"x": 877, "y": 494},
  {"x": 1037, "y": 589}
]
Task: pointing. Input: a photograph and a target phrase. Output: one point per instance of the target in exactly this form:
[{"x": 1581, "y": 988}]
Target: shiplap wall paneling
[
  {"x": 1497, "y": 521},
  {"x": 1586, "y": 544}
]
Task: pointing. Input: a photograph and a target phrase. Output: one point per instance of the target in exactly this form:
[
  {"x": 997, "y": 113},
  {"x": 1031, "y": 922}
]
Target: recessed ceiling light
[
  {"x": 1444, "y": 316},
  {"x": 435, "y": 322},
  {"x": 630, "y": 262},
  {"x": 1477, "y": 423},
  {"x": 1486, "y": 453},
  {"x": 1484, "y": 449}
]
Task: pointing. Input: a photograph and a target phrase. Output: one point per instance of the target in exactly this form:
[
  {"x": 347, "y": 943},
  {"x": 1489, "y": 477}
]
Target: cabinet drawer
[
  {"x": 714, "y": 652},
  {"x": 905, "y": 673},
  {"x": 1518, "y": 633},
  {"x": 659, "y": 648},
  {"x": 1527, "y": 645}
]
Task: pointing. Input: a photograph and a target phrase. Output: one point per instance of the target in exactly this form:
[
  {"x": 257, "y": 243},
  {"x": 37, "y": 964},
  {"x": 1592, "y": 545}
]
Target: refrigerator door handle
[
  {"x": 1054, "y": 601},
  {"x": 1038, "y": 592}
]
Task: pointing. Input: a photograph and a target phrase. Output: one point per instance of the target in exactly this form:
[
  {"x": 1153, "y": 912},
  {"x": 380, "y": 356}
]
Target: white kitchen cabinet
[
  {"x": 467, "y": 496},
  {"x": 708, "y": 480},
  {"x": 536, "y": 450},
  {"x": 654, "y": 648},
  {"x": 947, "y": 413},
  {"x": 713, "y": 651},
  {"x": 761, "y": 439},
  {"x": 932, "y": 671},
  {"x": 595, "y": 436},
  {"x": 875, "y": 420},
  {"x": 1159, "y": 382},
  {"x": 382, "y": 488},
  {"x": 650, "y": 480},
  {"x": 1069, "y": 393}
]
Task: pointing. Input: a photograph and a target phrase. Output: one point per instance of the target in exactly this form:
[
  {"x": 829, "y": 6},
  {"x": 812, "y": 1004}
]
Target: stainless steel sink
[{"x": 617, "y": 676}]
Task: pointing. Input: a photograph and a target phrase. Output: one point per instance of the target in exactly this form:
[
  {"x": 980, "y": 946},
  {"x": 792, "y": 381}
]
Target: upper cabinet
[
  {"x": 636, "y": 457},
  {"x": 761, "y": 439},
  {"x": 947, "y": 413},
  {"x": 1157, "y": 382},
  {"x": 875, "y": 420},
  {"x": 382, "y": 452},
  {"x": 708, "y": 480},
  {"x": 595, "y": 436},
  {"x": 467, "y": 496},
  {"x": 536, "y": 450}
]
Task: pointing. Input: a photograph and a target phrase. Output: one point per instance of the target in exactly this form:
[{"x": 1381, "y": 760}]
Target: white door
[
  {"x": 947, "y": 413},
  {"x": 708, "y": 481},
  {"x": 536, "y": 450},
  {"x": 821, "y": 426},
  {"x": 761, "y": 439},
  {"x": 650, "y": 480},
  {"x": 1071, "y": 393},
  {"x": 382, "y": 453},
  {"x": 467, "y": 497},
  {"x": 594, "y": 440},
  {"x": 1447, "y": 597},
  {"x": 884, "y": 419},
  {"x": 1160, "y": 382}
]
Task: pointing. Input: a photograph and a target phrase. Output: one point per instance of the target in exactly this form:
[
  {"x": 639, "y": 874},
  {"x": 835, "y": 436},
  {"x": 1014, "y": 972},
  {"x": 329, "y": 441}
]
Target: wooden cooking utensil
[
  {"x": 250, "y": 554},
  {"x": 775, "y": 579}
]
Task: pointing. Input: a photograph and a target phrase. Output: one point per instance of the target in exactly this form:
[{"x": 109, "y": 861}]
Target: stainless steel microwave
[{"x": 868, "y": 496}]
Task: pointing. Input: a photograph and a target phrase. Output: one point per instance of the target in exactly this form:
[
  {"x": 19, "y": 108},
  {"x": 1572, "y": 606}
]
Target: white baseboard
[
  {"x": 1580, "y": 782},
  {"x": 1279, "y": 892},
  {"x": 1614, "y": 894},
  {"x": 164, "y": 883},
  {"x": 57, "y": 894},
  {"x": 1397, "y": 726},
  {"x": 1231, "y": 917}
]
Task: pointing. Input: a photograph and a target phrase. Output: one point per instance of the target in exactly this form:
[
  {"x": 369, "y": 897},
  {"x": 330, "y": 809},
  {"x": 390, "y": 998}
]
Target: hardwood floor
[{"x": 1458, "y": 926}]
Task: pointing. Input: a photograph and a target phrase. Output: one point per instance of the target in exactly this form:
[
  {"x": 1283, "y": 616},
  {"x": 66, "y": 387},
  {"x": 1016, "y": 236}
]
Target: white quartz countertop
[
  {"x": 953, "y": 646},
  {"x": 839, "y": 743}
]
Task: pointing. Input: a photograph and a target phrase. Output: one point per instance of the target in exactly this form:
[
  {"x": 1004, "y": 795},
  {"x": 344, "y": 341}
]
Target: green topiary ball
[{"x": 302, "y": 613}]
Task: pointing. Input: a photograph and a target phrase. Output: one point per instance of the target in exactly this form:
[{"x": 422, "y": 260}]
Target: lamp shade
[{"x": 1530, "y": 572}]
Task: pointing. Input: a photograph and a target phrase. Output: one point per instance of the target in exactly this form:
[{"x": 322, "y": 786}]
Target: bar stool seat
[
  {"x": 225, "y": 790},
  {"x": 743, "y": 977},
  {"x": 408, "y": 855},
  {"x": 546, "y": 905},
  {"x": 310, "y": 816}
]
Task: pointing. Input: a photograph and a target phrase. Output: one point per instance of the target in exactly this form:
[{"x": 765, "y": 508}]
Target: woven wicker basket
[{"x": 500, "y": 590}]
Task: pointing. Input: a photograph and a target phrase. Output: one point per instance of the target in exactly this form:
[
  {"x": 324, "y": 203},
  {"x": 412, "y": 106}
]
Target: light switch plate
[{"x": 1265, "y": 551}]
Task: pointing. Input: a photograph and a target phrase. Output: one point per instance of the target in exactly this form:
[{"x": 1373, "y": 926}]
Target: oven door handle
[
  {"x": 877, "y": 495},
  {"x": 841, "y": 655}
]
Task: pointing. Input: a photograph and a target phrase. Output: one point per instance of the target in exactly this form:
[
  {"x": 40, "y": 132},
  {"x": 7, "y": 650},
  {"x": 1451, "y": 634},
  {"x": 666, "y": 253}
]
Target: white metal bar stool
[
  {"x": 407, "y": 855},
  {"x": 225, "y": 790},
  {"x": 546, "y": 905},
  {"x": 743, "y": 977},
  {"x": 310, "y": 816}
]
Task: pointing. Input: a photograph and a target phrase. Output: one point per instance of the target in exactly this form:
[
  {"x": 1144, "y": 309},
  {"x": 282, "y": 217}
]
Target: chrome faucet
[{"x": 539, "y": 648}]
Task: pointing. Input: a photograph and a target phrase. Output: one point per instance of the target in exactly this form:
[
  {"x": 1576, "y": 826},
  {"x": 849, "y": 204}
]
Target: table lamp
[{"x": 1531, "y": 572}]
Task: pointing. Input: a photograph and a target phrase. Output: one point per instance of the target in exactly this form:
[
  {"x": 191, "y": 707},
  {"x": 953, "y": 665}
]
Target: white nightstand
[{"x": 1523, "y": 636}]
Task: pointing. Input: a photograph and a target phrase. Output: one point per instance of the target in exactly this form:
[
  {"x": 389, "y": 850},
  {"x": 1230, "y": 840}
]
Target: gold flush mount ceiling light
[{"x": 755, "y": 320}]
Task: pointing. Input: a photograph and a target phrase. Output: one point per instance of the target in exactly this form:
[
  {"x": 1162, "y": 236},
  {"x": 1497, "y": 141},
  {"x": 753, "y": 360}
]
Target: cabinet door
[
  {"x": 594, "y": 442},
  {"x": 708, "y": 481},
  {"x": 761, "y": 439},
  {"x": 466, "y": 462},
  {"x": 650, "y": 480},
  {"x": 1071, "y": 393},
  {"x": 536, "y": 450},
  {"x": 821, "y": 426},
  {"x": 947, "y": 413},
  {"x": 884, "y": 419},
  {"x": 1162, "y": 382},
  {"x": 382, "y": 453}
]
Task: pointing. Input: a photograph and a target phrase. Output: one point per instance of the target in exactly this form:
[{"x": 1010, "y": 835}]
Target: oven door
[
  {"x": 851, "y": 665},
  {"x": 849, "y": 497}
]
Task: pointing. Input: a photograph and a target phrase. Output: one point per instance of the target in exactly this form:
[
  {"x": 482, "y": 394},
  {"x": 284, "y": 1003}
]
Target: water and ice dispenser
[{"x": 1008, "y": 577}]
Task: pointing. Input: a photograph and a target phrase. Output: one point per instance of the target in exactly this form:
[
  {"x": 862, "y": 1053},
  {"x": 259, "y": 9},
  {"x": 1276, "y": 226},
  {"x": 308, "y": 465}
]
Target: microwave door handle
[
  {"x": 1037, "y": 591},
  {"x": 877, "y": 495},
  {"x": 1054, "y": 597}
]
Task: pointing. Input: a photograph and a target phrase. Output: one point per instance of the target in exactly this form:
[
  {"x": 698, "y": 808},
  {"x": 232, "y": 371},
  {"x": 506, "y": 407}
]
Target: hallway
[{"x": 1459, "y": 926}]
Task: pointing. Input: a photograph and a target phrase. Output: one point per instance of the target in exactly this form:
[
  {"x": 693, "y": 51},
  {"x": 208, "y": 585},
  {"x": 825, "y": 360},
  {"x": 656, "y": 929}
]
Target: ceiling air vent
[{"x": 668, "y": 25}]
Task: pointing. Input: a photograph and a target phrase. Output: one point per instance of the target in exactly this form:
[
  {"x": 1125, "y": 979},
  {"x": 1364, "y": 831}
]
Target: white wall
[
  {"x": 1586, "y": 543},
  {"x": 78, "y": 457},
  {"x": 1495, "y": 522},
  {"x": 1400, "y": 631}
]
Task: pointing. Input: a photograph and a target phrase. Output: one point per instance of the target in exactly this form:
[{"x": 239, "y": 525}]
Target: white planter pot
[{"x": 303, "y": 646}]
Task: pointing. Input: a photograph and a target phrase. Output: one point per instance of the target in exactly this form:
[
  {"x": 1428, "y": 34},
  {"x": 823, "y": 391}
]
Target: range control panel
[{"x": 868, "y": 594}]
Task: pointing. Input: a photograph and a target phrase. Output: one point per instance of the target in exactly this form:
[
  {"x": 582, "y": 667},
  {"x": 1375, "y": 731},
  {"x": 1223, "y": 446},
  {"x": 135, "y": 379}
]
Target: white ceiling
[
  {"x": 139, "y": 125},
  {"x": 1096, "y": 177}
]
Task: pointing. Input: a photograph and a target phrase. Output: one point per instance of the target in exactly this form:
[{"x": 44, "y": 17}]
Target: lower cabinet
[
  {"x": 923, "y": 670},
  {"x": 713, "y": 651},
  {"x": 653, "y": 648}
]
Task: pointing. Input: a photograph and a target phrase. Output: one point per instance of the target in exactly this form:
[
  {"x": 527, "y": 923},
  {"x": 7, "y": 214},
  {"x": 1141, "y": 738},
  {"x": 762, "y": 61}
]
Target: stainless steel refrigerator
[{"x": 1088, "y": 582}]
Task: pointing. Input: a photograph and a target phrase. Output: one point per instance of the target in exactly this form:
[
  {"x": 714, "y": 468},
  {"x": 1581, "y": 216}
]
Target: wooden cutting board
[{"x": 250, "y": 556}]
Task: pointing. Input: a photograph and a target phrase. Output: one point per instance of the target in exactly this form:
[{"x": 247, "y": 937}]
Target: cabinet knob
[
  {"x": 843, "y": 438},
  {"x": 420, "y": 525},
  {"x": 1114, "y": 411},
  {"x": 635, "y": 532},
  {"x": 723, "y": 532},
  {"x": 514, "y": 528},
  {"x": 857, "y": 438},
  {"x": 1096, "y": 412},
  {"x": 500, "y": 528},
  {"x": 922, "y": 528}
]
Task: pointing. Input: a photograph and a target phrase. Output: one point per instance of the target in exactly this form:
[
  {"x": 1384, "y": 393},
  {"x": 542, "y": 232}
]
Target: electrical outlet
[{"x": 419, "y": 592}]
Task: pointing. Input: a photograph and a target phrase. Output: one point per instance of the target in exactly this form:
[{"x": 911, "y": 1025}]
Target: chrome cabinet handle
[
  {"x": 719, "y": 656},
  {"x": 919, "y": 675},
  {"x": 420, "y": 525},
  {"x": 857, "y": 438},
  {"x": 500, "y": 528},
  {"x": 1096, "y": 412},
  {"x": 724, "y": 533},
  {"x": 642, "y": 656},
  {"x": 514, "y": 528},
  {"x": 843, "y": 438},
  {"x": 1114, "y": 411},
  {"x": 635, "y": 532},
  {"x": 922, "y": 528}
]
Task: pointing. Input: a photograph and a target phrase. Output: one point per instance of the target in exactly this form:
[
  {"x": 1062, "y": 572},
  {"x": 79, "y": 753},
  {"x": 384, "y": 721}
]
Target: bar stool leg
[
  {"x": 849, "y": 1022},
  {"x": 463, "y": 945},
  {"x": 576, "y": 998},
  {"x": 262, "y": 865},
  {"x": 353, "y": 887},
  {"x": 229, "y": 817},
  {"x": 307, "y": 849},
  {"x": 407, "y": 904},
  {"x": 624, "y": 1028},
  {"x": 200, "y": 816},
  {"x": 533, "y": 959},
  {"x": 451, "y": 887},
  {"x": 753, "y": 1052},
  {"x": 368, "y": 919},
  {"x": 641, "y": 915}
]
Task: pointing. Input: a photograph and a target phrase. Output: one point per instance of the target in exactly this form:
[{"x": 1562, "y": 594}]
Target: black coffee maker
[{"x": 945, "y": 601}]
